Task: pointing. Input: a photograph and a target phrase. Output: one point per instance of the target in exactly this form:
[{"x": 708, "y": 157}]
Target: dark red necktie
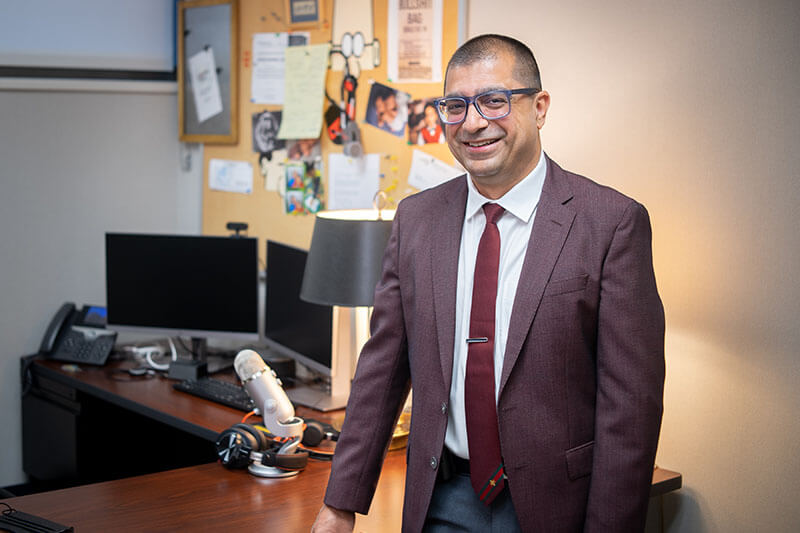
[{"x": 485, "y": 463}]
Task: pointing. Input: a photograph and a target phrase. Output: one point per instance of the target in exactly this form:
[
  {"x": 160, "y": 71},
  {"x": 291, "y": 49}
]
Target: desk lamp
[{"x": 342, "y": 269}]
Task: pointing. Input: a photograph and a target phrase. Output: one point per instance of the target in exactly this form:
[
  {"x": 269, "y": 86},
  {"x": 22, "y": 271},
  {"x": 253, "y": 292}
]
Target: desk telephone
[{"x": 79, "y": 335}]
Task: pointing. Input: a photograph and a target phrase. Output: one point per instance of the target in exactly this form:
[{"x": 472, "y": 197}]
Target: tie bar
[{"x": 472, "y": 340}]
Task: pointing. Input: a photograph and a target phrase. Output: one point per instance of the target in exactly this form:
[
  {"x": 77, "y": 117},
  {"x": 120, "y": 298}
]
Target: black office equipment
[
  {"x": 293, "y": 327},
  {"x": 196, "y": 286},
  {"x": 78, "y": 335},
  {"x": 219, "y": 391}
]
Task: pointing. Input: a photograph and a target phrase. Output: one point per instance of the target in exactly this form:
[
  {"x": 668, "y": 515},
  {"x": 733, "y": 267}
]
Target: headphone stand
[{"x": 270, "y": 471}]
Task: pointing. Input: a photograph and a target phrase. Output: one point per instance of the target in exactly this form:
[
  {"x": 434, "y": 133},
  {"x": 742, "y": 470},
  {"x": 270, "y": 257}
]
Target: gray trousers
[{"x": 456, "y": 507}]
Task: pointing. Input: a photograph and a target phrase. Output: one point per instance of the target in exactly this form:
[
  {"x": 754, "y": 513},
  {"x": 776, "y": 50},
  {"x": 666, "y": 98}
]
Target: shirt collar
[{"x": 520, "y": 201}]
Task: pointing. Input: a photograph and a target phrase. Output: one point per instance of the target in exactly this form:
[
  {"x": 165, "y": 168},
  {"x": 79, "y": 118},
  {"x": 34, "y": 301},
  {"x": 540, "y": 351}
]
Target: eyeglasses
[{"x": 491, "y": 105}]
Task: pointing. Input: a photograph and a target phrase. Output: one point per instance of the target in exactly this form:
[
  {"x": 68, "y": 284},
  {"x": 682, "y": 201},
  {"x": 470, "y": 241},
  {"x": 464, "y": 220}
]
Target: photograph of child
[
  {"x": 387, "y": 109},
  {"x": 424, "y": 126},
  {"x": 304, "y": 149}
]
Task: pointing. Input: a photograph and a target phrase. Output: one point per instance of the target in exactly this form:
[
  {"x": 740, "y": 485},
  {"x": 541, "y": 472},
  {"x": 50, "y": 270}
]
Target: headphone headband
[{"x": 242, "y": 445}]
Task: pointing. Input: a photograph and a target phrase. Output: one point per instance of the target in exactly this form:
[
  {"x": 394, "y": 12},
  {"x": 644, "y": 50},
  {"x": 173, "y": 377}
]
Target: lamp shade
[{"x": 344, "y": 262}]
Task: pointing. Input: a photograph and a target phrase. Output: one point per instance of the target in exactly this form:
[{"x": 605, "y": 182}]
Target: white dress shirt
[{"x": 515, "y": 230}]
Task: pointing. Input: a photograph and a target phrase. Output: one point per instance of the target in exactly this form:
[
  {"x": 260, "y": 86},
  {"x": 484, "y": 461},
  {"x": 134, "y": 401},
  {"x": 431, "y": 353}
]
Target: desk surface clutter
[{"x": 207, "y": 497}]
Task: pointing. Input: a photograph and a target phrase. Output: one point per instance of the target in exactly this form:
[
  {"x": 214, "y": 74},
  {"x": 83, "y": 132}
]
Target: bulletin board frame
[{"x": 214, "y": 25}]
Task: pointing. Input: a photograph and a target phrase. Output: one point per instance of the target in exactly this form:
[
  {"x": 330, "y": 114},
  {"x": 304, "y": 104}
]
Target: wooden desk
[
  {"x": 212, "y": 498},
  {"x": 153, "y": 396},
  {"x": 206, "y": 496},
  {"x": 95, "y": 424}
]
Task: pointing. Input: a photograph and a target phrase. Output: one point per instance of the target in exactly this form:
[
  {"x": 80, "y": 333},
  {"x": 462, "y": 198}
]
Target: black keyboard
[{"x": 219, "y": 391}]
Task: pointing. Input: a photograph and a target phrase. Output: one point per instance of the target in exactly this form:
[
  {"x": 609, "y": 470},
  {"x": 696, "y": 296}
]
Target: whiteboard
[{"x": 89, "y": 34}]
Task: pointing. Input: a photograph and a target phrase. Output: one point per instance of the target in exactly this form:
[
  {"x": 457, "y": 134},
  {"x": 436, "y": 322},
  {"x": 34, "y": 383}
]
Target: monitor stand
[{"x": 318, "y": 399}]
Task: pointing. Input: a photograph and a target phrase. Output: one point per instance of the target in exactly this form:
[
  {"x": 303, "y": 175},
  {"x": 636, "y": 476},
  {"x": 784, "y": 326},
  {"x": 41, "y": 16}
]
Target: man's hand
[{"x": 330, "y": 520}]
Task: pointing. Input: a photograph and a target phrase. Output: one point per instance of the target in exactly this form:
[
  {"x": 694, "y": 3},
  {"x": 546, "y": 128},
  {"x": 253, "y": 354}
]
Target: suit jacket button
[
  {"x": 434, "y": 462},
  {"x": 444, "y": 408}
]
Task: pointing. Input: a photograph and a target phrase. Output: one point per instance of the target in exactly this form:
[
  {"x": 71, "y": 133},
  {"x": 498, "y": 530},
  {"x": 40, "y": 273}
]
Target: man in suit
[{"x": 576, "y": 347}]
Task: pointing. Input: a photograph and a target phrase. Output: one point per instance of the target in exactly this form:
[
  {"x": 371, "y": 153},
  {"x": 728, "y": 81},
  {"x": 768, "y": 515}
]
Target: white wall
[
  {"x": 73, "y": 165},
  {"x": 691, "y": 107}
]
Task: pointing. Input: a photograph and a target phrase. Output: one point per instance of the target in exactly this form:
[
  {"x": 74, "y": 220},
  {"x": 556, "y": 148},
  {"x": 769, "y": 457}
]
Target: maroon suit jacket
[{"x": 581, "y": 390}]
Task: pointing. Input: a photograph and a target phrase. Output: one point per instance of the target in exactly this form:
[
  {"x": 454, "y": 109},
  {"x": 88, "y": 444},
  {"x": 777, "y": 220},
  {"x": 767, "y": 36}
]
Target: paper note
[
  {"x": 352, "y": 183},
  {"x": 266, "y": 84},
  {"x": 205, "y": 85},
  {"x": 269, "y": 65},
  {"x": 304, "y": 91},
  {"x": 414, "y": 32},
  {"x": 271, "y": 168},
  {"x": 427, "y": 171},
  {"x": 230, "y": 176}
]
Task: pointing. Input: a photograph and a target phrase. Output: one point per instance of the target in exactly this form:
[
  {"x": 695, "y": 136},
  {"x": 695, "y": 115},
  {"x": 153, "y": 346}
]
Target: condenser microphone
[{"x": 263, "y": 386}]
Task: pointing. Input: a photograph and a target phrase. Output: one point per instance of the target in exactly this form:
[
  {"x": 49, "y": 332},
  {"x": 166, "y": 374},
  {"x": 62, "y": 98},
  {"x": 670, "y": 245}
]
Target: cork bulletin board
[{"x": 263, "y": 210}]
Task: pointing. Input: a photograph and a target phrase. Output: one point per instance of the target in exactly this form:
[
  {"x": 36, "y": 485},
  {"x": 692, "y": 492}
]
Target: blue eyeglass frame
[{"x": 474, "y": 100}]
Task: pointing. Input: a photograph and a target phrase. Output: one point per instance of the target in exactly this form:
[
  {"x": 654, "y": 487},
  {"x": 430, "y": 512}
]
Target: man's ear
[{"x": 541, "y": 104}]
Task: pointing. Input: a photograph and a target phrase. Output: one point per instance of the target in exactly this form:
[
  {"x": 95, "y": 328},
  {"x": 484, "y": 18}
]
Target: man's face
[
  {"x": 386, "y": 110},
  {"x": 496, "y": 153}
]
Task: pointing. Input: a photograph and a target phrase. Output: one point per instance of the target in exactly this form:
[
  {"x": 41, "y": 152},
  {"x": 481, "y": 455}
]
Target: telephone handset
[{"x": 78, "y": 335}]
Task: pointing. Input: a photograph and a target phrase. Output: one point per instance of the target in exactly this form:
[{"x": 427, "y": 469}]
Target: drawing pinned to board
[
  {"x": 230, "y": 176},
  {"x": 387, "y": 109},
  {"x": 354, "y": 46},
  {"x": 424, "y": 126},
  {"x": 265, "y": 132}
]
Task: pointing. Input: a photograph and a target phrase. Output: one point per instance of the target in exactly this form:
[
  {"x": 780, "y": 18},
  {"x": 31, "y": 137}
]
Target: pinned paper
[
  {"x": 269, "y": 65},
  {"x": 304, "y": 91},
  {"x": 230, "y": 176},
  {"x": 205, "y": 85},
  {"x": 427, "y": 171},
  {"x": 352, "y": 183},
  {"x": 266, "y": 85},
  {"x": 414, "y": 32},
  {"x": 271, "y": 168},
  {"x": 352, "y": 35}
]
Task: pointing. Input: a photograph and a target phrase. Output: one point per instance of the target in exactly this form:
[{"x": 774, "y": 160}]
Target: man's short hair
[{"x": 485, "y": 47}]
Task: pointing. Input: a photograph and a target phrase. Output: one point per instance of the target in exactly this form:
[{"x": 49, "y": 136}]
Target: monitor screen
[
  {"x": 293, "y": 327},
  {"x": 196, "y": 286}
]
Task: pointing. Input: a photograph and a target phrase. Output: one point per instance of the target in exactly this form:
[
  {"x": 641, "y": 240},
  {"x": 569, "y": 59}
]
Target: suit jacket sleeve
[
  {"x": 630, "y": 379},
  {"x": 377, "y": 394}
]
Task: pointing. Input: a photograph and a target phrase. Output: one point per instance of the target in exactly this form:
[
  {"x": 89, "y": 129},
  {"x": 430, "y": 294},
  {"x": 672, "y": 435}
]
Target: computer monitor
[
  {"x": 196, "y": 286},
  {"x": 296, "y": 328}
]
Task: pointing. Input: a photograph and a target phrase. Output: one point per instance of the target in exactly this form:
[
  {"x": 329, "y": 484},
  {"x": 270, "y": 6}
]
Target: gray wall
[
  {"x": 691, "y": 107},
  {"x": 73, "y": 165}
]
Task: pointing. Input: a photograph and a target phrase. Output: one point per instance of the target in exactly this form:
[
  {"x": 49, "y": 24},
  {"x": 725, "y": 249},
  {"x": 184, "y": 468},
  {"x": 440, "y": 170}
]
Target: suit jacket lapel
[
  {"x": 551, "y": 226},
  {"x": 446, "y": 238}
]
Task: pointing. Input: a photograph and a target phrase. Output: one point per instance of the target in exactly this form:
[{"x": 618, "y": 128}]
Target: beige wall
[{"x": 692, "y": 108}]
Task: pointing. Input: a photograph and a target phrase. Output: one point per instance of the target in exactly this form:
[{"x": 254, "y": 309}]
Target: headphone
[
  {"x": 242, "y": 445},
  {"x": 317, "y": 431}
]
